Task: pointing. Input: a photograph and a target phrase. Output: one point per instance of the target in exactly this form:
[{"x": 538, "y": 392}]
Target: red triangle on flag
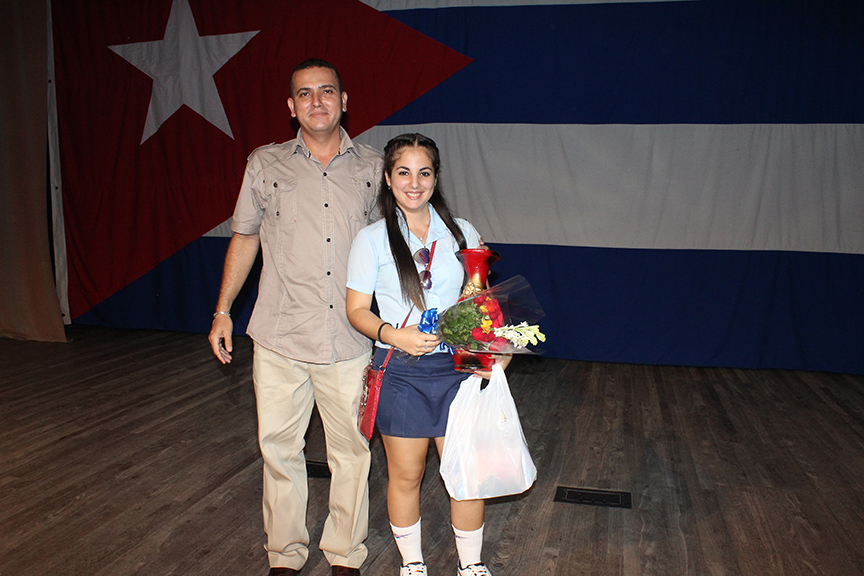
[{"x": 129, "y": 205}]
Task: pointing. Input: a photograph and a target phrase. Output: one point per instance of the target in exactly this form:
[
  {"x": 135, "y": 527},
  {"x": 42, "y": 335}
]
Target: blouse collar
[{"x": 437, "y": 228}]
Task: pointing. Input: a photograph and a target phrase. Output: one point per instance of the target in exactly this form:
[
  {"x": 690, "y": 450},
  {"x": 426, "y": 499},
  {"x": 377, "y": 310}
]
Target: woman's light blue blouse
[{"x": 372, "y": 269}]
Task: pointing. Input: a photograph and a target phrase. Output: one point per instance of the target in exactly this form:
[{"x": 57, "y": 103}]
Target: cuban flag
[{"x": 681, "y": 182}]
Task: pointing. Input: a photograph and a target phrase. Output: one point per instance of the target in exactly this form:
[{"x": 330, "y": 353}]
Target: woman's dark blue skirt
[{"x": 416, "y": 394}]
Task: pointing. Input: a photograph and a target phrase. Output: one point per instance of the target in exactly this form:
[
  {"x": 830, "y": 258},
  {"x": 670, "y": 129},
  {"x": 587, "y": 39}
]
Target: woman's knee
[{"x": 406, "y": 478}]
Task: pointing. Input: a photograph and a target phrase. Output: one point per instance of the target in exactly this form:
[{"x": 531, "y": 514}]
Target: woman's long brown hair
[{"x": 409, "y": 280}]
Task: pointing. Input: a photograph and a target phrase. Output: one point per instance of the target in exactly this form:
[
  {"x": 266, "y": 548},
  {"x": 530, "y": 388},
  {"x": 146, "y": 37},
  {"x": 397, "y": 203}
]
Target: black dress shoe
[
  {"x": 344, "y": 571},
  {"x": 283, "y": 572}
]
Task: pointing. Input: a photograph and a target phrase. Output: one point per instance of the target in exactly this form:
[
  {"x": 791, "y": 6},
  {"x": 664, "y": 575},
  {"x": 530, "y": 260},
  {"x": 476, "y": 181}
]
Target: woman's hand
[
  {"x": 411, "y": 340},
  {"x": 502, "y": 359}
]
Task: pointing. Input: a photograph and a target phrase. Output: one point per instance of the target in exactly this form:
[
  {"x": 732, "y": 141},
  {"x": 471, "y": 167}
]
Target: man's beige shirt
[{"x": 307, "y": 215}]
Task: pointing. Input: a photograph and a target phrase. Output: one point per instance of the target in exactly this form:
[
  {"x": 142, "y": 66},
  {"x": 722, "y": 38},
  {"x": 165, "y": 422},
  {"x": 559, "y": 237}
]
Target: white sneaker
[
  {"x": 413, "y": 569},
  {"x": 473, "y": 570}
]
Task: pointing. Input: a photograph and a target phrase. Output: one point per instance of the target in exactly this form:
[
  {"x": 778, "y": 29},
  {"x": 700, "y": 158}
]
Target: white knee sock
[
  {"x": 408, "y": 540},
  {"x": 469, "y": 546}
]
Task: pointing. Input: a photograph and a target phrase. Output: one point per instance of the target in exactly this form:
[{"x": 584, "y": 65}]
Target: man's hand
[
  {"x": 238, "y": 262},
  {"x": 220, "y": 337}
]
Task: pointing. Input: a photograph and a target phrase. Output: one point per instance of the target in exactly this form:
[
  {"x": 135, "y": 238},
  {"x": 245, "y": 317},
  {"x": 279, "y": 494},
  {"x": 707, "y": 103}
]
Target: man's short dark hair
[{"x": 316, "y": 63}]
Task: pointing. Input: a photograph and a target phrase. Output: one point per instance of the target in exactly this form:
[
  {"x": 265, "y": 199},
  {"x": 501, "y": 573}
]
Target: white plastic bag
[{"x": 485, "y": 454}]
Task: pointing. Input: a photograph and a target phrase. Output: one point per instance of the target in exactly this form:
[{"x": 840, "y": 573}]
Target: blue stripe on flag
[
  {"x": 711, "y": 62},
  {"x": 748, "y": 309}
]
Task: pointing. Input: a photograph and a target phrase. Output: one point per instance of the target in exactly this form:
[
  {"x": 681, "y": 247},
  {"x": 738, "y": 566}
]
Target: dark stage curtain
[{"x": 29, "y": 307}]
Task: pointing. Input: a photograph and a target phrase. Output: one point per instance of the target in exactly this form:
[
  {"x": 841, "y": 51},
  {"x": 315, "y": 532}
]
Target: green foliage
[{"x": 456, "y": 323}]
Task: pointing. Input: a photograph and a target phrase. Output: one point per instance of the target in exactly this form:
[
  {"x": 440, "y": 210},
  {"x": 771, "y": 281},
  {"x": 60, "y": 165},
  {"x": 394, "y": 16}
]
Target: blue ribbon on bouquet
[
  {"x": 429, "y": 321},
  {"x": 429, "y": 324}
]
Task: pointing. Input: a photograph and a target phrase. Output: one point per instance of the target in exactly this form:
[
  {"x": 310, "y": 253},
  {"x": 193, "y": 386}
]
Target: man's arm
[{"x": 238, "y": 262}]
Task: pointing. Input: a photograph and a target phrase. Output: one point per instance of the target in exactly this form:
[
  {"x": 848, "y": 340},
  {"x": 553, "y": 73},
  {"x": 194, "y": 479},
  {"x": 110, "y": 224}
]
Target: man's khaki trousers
[{"x": 285, "y": 392}]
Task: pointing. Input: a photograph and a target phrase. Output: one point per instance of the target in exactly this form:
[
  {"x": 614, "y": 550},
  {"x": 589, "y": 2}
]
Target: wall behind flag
[{"x": 682, "y": 182}]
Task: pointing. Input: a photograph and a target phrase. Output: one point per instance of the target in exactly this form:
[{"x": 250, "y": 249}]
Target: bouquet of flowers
[{"x": 499, "y": 320}]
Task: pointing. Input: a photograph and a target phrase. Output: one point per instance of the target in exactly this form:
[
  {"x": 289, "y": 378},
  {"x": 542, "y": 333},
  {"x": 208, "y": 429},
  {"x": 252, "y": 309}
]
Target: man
[{"x": 303, "y": 201}]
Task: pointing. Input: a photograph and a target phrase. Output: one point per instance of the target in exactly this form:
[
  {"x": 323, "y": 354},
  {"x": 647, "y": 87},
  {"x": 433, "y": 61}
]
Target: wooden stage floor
[{"x": 129, "y": 452}]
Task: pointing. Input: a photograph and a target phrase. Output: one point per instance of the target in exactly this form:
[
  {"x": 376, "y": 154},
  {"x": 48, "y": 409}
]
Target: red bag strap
[{"x": 404, "y": 322}]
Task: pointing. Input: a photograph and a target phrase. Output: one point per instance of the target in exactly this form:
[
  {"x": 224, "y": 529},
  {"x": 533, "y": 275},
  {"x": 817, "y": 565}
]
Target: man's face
[{"x": 316, "y": 102}]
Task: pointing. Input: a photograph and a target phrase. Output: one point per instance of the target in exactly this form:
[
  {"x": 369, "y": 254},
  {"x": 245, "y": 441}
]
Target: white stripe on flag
[{"x": 716, "y": 187}]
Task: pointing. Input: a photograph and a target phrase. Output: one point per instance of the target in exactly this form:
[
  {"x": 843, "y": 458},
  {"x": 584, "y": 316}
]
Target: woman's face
[{"x": 412, "y": 180}]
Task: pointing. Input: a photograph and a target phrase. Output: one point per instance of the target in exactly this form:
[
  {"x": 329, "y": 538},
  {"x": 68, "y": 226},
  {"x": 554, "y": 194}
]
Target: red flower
[
  {"x": 493, "y": 310},
  {"x": 478, "y": 334},
  {"x": 496, "y": 314}
]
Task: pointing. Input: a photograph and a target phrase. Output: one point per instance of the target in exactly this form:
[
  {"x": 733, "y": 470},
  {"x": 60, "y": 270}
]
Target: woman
[{"x": 389, "y": 259}]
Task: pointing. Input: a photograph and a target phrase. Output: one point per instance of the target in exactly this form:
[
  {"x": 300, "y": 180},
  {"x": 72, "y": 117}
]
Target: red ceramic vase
[
  {"x": 468, "y": 361},
  {"x": 477, "y": 262}
]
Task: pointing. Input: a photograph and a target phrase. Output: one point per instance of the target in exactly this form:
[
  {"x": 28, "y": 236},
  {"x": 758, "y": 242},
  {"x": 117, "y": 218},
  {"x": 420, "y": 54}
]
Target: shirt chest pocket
[
  {"x": 281, "y": 204},
  {"x": 362, "y": 193}
]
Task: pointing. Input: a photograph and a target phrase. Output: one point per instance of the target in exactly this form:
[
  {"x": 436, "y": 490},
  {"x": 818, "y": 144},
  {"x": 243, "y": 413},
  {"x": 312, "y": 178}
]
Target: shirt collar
[{"x": 345, "y": 146}]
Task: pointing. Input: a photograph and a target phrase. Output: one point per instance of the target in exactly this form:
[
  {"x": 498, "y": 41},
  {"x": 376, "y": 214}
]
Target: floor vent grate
[{"x": 592, "y": 497}]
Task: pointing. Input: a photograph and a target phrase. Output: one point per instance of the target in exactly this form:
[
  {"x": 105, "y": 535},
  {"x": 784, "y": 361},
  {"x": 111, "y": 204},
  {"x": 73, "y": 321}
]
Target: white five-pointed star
[{"x": 182, "y": 65}]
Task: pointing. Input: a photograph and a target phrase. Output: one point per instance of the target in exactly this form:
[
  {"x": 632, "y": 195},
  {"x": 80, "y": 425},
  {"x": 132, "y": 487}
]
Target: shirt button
[
  {"x": 331, "y": 306},
  {"x": 328, "y": 239},
  {"x": 368, "y": 184},
  {"x": 328, "y": 272},
  {"x": 325, "y": 174},
  {"x": 326, "y": 205}
]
